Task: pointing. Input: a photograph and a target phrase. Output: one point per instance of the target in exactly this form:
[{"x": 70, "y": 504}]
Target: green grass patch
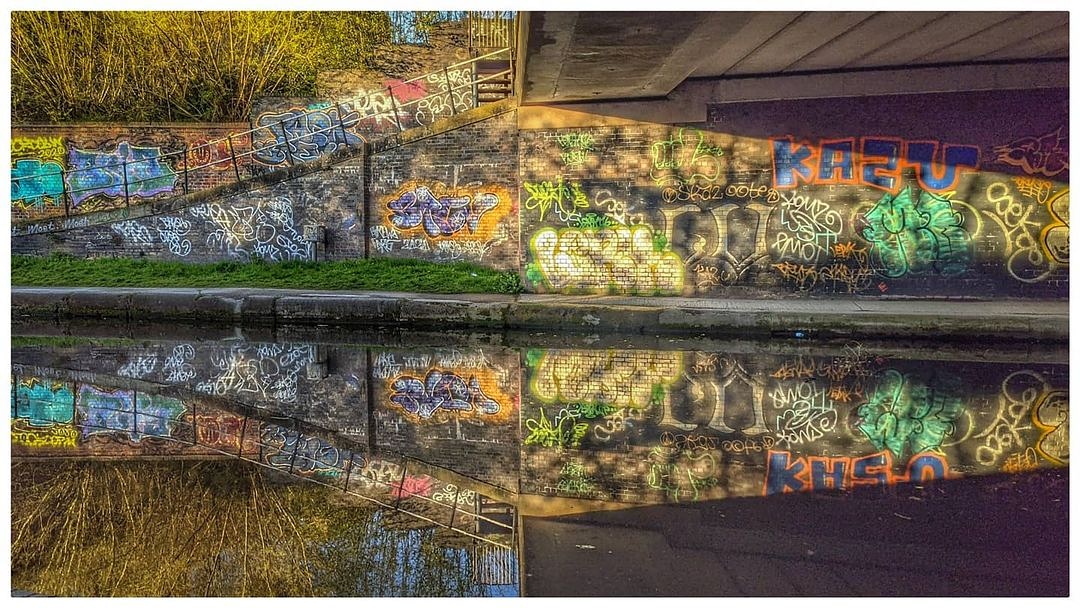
[
  {"x": 70, "y": 341},
  {"x": 381, "y": 274}
]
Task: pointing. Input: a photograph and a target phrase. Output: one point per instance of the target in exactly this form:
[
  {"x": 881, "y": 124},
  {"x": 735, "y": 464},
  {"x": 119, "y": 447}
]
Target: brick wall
[
  {"x": 450, "y": 197},
  {"x": 925, "y": 195},
  {"x": 670, "y": 426},
  {"x": 645, "y": 426},
  {"x": 265, "y": 223},
  {"x": 87, "y": 151},
  {"x": 455, "y": 408}
]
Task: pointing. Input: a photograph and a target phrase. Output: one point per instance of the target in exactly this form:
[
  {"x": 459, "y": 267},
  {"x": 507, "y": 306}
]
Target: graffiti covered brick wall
[
  {"x": 951, "y": 194},
  {"x": 267, "y": 223},
  {"x": 670, "y": 426},
  {"x": 450, "y": 197},
  {"x": 454, "y": 407},
  {"x": 387, "y": 107},
  {"x": 93, "y": 156}
]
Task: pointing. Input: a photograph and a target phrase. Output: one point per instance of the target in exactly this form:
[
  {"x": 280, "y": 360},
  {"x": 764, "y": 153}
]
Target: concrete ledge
[{"x": 1012, "y": 320}]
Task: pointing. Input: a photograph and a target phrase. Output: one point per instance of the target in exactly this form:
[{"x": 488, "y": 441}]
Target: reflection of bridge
[{"x": 286, "y": 445}]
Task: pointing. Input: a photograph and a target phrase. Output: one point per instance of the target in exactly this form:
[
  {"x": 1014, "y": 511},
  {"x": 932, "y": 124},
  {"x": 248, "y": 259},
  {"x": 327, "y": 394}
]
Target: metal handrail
[{"x": 280, "y": 141}]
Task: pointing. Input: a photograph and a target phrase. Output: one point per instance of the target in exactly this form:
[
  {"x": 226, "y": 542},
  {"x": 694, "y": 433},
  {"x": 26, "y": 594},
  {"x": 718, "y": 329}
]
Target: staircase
[{"x": 496, "y": 80}]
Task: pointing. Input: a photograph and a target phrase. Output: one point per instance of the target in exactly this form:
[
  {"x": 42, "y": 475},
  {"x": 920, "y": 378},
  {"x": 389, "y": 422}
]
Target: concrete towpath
[{"x": 1014, "y": 320}]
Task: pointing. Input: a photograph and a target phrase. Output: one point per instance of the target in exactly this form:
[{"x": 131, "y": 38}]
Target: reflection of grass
[
  {"x": 70, "y": 341},
  {"x": 210, "y": 528},
  {"x": 374, "y": 274}
]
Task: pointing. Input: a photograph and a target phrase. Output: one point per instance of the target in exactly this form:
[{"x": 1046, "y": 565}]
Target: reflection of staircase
[
  {"x": 500, "y": 86},
  {"x": 494, "y": 517}
]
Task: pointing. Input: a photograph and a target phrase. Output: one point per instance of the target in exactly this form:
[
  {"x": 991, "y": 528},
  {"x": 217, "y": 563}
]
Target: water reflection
[
  {"x": 468, "y": 439},
  {"x": 213, "y": 527}
]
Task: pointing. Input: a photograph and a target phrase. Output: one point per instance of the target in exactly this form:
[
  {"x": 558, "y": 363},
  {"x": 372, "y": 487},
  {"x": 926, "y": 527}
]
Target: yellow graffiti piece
[
  {"x": 1034, "y": 188},
  {"x": 54, "y": 436},
  {"x": 1051, "y": 416},
  {"x": 621, "y": 257},
  {"x": 1054, "y": 238},
  {"x": 616, "y": 378},
  {"x": 42, "y": 148}
]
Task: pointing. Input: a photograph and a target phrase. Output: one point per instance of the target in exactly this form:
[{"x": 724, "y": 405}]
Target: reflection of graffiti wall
[
  {"x": 458, "y": 407},
  {"x": 717, "y": 425},
  {"x": 94, "y": 156},
  {"x": 783, "y": 198},
  {"x": 448, "y": 198}
]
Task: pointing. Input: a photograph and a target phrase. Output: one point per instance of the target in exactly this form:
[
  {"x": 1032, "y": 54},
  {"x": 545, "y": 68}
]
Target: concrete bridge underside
[{"x": 607, "y": 56}]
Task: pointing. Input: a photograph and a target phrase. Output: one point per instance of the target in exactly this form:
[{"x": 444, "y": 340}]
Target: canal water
[{"x": 164, "y": 460}]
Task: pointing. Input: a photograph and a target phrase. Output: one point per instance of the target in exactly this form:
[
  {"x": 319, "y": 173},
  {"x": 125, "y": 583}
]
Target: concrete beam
[{"x": 688, "y": 102}]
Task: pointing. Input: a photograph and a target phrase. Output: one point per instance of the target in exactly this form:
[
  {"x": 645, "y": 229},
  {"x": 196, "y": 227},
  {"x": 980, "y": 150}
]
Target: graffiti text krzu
[{"x": 875, "y": 161}]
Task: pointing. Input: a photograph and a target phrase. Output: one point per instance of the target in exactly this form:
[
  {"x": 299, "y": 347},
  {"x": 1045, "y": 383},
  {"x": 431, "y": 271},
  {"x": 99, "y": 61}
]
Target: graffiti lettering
[
  {"x": 92, "y": 173},
  {"x": 878, "y": 164},
  {"x": 622, "y": 257},
  {"x": 1045, "y": 155},
  {"x": 782, "y": 474}
]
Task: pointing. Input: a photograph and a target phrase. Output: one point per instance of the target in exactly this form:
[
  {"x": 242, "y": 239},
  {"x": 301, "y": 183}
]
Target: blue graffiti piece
[
  {"x": 32, "y": 182},
  {"x": 310, "y": 135},
  {"x": 93, "y": 173},
  {"x": 790, "y": 159},
  {"x": 479, "y": 400},
  {"x": 922, "y": 155},
  {"x": 926, "y": 467},
  {"x": 823, "y": 477},
  {"x": 440, "y": 217},
  {"x": 105, "y": 411},
  {"x": 875, "y": 466},
  {"x": 440, "y": 390},
  {"x": 157, "y": 416},
  {"x": 312, "y": 455},
  {"x": 44, "y": 405},
  {"x": 782, "y": 474},
  {"x": 881, "y": 148},
  {"x": 830, "y": 163}
]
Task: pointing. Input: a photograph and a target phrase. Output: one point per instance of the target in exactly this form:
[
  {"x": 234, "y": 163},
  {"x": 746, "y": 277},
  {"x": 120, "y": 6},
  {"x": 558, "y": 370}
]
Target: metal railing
[
  {"x": 491, "y": 29},
  {"x": 292, "y": 149},
  {"x": 251, "y": 447}
]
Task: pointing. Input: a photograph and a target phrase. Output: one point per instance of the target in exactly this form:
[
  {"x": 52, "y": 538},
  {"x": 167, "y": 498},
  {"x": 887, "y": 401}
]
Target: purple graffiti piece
[
  {"x": 447, "y": 391},
  {"x": 446, "y": 216},
  {"x": 439, "y": 216},
  {"x": 483, "y": 203},
  {"x": 410, "y": 396},
  {"x": 406, "y": 211},
  {"x": 481, "y": 401}
]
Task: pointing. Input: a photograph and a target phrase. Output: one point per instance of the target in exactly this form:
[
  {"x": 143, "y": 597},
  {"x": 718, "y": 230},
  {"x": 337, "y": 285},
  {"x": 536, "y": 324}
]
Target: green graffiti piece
[
  {"x": 592, "y": 411},
  {"x": 909, "y": 417},
  {"x": 565, "y": 197},
  {"x": 561, "y": 433},
  {"x": 533, "y": 357},
  {"x": 917, "y": 236},
  {"x": 533, "y": 274},
  {"x": 572, "y": 479},
  {"x": 659, "y": 242},
  {"x": 595, "y": 221}
]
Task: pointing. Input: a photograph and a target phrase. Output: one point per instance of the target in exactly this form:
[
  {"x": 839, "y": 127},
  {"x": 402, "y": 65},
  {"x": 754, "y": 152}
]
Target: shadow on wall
[{"x": 909, "y": 195}]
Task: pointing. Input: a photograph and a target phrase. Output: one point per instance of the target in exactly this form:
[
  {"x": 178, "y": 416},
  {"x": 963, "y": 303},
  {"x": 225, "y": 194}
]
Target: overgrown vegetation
[
  {"x": 199, "y": 66},
  {"x": 380, "y": 274},
  {"x": 212, "y": 528}
]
